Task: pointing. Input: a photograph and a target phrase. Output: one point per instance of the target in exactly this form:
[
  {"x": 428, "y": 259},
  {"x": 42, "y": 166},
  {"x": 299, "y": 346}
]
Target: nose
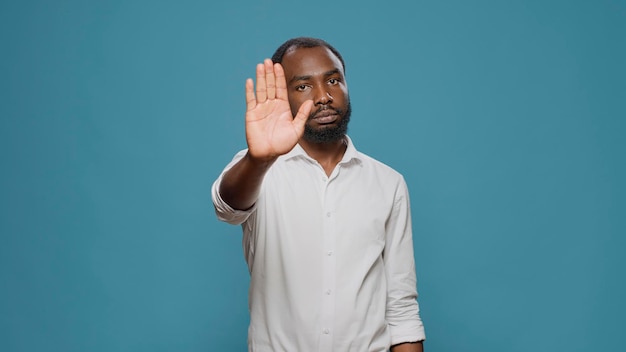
[{"x": 322, "y": 96}]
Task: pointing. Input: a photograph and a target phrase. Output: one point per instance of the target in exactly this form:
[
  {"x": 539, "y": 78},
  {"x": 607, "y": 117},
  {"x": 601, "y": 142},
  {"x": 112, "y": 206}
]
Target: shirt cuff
[
  {"x": 224, "y": 211},
  {"x": 408, "y": 331}
]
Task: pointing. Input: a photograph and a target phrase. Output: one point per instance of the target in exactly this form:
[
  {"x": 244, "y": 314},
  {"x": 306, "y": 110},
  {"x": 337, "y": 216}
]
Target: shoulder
[
  {"x": 369, "y": 163},
  {"x": 377, "y": 166}
]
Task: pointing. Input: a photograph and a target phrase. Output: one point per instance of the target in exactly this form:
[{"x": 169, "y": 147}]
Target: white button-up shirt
[{"x": 330, "y": 258}]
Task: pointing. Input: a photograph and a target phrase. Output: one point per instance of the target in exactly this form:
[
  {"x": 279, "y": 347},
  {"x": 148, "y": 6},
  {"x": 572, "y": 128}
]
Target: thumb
[{"x": 303, "y": 115}]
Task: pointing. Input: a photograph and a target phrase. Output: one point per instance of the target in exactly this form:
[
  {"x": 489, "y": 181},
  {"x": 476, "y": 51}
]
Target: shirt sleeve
[
  {"x": 224, "y": 211},
  {"x": 402, "y": 313}
]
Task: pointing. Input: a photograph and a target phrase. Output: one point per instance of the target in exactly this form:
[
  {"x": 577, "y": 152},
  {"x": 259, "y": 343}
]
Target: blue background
[{"x": 506, "y": 118}]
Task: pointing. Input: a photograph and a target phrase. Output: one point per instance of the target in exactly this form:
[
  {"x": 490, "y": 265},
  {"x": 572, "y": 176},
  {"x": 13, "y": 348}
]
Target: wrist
[{"x": 260, "y": 162}]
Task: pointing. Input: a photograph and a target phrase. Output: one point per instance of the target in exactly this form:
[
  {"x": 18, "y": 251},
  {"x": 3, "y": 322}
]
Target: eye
[
  {"x": 333, "y": 81},
  {"x": 301, "y": 88}
]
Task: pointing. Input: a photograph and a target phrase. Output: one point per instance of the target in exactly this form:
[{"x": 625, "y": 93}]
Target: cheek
[
  {"x": 340, "y": 94},
  {"x": 339, "y": 89},
  {"x": 298, "y": 98},
  {"x": 294, "y": 105}
]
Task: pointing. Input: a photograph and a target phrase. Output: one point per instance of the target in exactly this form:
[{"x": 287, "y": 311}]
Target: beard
[{"x": 326, "y": 134}]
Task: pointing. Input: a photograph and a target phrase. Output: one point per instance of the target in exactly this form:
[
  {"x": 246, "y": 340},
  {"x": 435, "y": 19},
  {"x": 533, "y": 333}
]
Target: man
[{"x": 327, "y": 229}]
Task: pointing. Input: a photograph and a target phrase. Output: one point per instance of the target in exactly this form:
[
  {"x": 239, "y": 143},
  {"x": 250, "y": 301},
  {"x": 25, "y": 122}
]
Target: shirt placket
[{"x": 327, "y": 291}]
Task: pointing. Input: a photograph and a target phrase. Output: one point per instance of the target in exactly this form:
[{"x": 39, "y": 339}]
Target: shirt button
[
  {"x": 329, "y": 253},
  {"x": 328, "y": 214},
  {"x": 326, "y": 331},
  {"x": 328, "y": 292}
]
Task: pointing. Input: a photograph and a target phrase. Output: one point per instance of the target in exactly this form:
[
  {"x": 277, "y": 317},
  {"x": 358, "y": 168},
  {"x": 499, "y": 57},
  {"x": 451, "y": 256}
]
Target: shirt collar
[{"x": 350, "y": 154}]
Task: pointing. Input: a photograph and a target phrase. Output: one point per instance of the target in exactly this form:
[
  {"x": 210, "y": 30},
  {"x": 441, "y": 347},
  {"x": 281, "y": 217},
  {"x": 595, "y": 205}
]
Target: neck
[{"x": 328, "y": 154}]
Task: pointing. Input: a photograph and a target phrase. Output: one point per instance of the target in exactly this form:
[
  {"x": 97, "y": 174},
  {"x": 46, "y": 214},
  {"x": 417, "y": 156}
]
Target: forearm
[
  {"x": 241, "y": 184},
  {"x": 408, "y": 347}
]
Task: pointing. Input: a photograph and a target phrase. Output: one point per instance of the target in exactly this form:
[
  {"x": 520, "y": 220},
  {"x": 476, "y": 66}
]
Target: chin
[
  {"x": 329, "y": 133},
  {"x": 325, "y": 134}
]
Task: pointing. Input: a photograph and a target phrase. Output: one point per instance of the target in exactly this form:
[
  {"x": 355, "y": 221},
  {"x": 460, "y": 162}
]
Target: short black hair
[{"x": 304, "y": 42}]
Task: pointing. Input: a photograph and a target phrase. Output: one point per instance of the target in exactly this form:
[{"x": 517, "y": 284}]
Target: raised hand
[{"x": 271, "y": 130}]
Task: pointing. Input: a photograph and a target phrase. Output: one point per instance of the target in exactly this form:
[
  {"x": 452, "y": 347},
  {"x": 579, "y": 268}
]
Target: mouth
[{"x": 325, "y": 117}]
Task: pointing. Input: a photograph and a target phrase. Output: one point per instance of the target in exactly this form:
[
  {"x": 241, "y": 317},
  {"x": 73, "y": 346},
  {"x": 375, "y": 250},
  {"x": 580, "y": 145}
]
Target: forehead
[{"x": 310, "y": 62}]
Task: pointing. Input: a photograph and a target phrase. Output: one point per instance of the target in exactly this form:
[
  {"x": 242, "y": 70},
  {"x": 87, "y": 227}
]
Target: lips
[{"x": 325, "y": 116}]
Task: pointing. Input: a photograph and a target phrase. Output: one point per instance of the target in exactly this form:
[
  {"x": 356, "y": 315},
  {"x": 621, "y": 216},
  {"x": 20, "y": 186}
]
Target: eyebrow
[{"x": 307, "y": 77}]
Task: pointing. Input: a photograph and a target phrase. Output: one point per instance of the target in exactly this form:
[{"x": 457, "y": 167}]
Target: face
[{"x": 317, "y": 74}]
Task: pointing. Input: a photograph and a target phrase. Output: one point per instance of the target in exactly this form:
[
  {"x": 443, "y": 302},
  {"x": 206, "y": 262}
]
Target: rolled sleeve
[
  {"x": 224, "y": 211},
  {"x": 402, "y": 313}
]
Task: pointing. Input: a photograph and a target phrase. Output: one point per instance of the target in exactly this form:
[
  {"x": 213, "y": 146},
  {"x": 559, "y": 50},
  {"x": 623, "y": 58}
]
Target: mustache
[{"x": 325, "y": 110}]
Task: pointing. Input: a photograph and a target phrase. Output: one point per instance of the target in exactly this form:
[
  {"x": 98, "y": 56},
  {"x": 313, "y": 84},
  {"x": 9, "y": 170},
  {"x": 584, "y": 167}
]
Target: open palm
[{"x": 271, "y": 130}]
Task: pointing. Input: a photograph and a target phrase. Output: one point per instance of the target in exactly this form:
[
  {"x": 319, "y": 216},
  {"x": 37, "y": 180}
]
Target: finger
[
  {"x": 250, "y": 98},
  {"x": 261, "y": 92},
  {"x": 302, "y": 116},
  {"x": 270, "y": 79},
  {"x": 281, "y": 83}
]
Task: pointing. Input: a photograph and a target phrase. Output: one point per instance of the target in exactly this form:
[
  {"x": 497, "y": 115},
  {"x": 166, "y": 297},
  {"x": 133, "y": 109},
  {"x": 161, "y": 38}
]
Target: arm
[
  {"x": 408, "y": 347},
  {"x": 271, "y": 131},
  {"x": 402, "y": 313}
]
